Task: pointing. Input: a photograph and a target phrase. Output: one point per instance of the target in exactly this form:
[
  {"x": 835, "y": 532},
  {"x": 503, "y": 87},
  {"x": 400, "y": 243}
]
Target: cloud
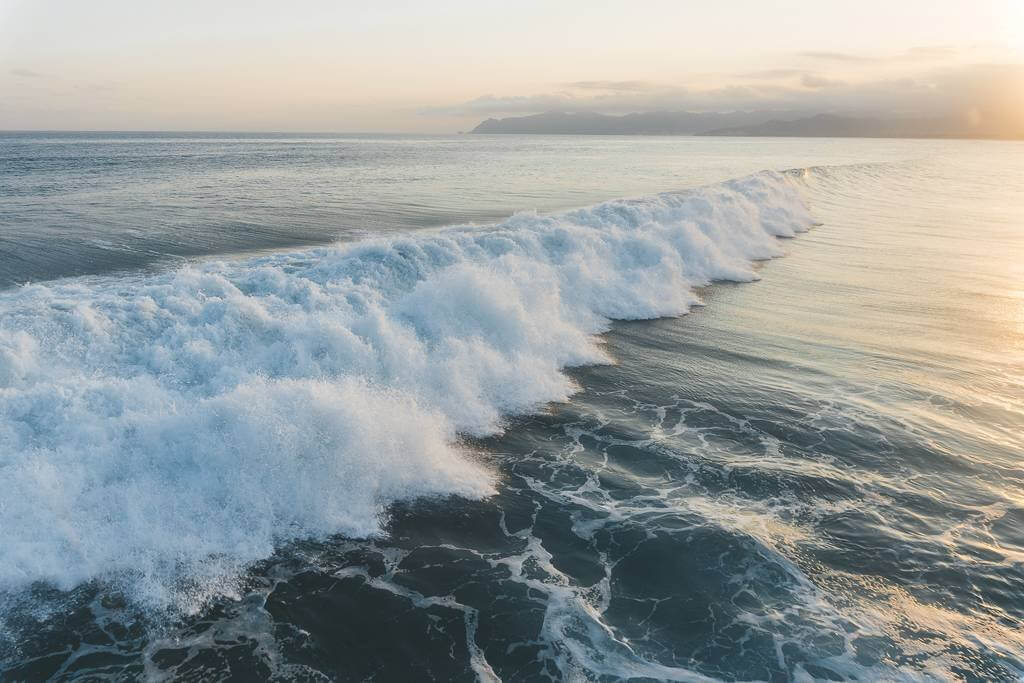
[
  {"x": 615, "y": 86},
  {"x": 931, "y": 52},
  {"x": 996, "y": 91},
  {"x": 486, "y": 105},
  {"x": 26, "y": 73},
  {"x": 808, "y": 79},
  {"x": 95, "y": 87},
  {"x": 772, "y": 74},
  {"x": 664, "y": 98},
  {"x": 836, "y": 57},
  {"x": 813, "y": 81},
  {"x": 923, "y": 53}
]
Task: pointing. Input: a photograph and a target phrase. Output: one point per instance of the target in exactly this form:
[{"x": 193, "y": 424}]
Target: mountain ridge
[
  {"x": 758, "y": 123},
  {"x": 639, "y": 123}
]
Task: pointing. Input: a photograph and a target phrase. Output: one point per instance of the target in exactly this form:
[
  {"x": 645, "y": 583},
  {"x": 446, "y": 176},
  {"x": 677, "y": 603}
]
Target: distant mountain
[
  {"x": 833, "y": 126},
  {"x": 650, "y": 123},
  {"x": 750, "y": 123}
]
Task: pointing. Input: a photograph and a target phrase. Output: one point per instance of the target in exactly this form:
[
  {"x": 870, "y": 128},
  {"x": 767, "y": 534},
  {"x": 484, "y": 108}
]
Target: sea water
[{"x": 355, "y": 407}]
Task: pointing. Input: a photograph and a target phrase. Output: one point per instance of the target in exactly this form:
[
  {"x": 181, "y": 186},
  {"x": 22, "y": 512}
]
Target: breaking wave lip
[{"x": 170, "y": 429}]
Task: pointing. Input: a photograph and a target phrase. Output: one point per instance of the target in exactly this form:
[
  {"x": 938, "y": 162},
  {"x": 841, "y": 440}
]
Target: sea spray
[{"x": 155, "y": 428}]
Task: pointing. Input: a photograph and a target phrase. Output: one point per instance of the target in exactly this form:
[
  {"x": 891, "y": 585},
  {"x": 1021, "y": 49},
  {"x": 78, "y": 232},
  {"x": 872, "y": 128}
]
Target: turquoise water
[{"x": 229, "y": 451}]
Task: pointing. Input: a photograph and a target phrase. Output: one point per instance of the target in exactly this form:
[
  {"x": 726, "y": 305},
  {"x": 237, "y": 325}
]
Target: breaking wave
[{"x": 176, "y": 427}]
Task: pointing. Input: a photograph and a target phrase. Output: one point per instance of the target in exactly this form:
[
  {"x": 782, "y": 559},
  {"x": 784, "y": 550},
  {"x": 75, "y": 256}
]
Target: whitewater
[{"x": 163, "y": 431}]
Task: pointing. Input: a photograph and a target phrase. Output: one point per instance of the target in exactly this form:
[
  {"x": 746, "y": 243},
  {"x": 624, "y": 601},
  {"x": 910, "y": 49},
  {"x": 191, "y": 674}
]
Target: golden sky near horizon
[{"x": 441, "y": 66}]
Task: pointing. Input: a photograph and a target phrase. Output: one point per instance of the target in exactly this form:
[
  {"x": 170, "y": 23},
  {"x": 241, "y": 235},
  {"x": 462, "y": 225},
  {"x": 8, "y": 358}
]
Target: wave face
[{"x": 167, "y": 430}]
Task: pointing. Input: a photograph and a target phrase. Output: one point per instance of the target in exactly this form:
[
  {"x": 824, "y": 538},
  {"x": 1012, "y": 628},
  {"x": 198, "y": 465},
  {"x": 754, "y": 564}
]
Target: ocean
[{"x": 315, "y": 407}]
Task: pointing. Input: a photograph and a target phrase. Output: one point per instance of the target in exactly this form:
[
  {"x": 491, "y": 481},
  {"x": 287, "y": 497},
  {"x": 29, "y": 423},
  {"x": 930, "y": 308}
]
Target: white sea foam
[{"x": 178, "y": 426}]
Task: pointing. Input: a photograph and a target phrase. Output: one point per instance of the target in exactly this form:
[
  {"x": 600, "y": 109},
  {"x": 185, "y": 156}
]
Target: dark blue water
[{"x": 408, "y": 457}]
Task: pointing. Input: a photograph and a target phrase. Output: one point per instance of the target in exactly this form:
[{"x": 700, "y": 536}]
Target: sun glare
[{"x": 1015, "y": 26}]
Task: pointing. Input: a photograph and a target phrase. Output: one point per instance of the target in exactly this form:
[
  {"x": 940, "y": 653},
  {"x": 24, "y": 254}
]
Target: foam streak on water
[
  {"x": 168, "y": 430},
  {"x": 357, "y": 461}
]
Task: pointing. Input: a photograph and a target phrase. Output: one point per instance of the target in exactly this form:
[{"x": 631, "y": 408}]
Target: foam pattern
[{"x": 171, "y": 428}]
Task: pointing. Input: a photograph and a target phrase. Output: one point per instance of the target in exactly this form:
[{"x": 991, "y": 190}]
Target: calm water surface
[{"x": 78, "y": 203}]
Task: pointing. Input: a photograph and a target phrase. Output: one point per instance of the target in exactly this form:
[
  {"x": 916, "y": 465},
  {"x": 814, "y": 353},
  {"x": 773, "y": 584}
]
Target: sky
[{"x": 442, "y": 66}]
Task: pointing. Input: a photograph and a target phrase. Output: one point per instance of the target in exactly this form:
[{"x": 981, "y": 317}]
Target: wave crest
[{"x": 179, "y": 425}]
